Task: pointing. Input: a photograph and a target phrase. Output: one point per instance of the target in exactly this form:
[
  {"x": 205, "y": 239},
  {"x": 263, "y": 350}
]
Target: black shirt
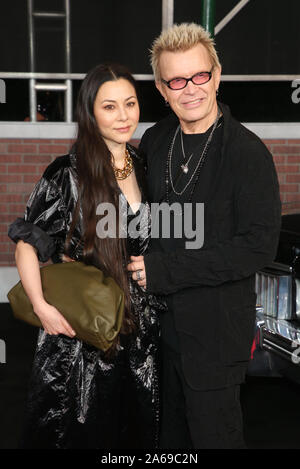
[{"x": 193, "y": 143}]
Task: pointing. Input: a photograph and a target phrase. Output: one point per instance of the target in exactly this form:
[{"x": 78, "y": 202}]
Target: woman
[{"x": 80, "y": 397}]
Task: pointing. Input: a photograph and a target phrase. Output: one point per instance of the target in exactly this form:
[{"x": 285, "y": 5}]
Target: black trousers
[{"x": 197, "y": 419}]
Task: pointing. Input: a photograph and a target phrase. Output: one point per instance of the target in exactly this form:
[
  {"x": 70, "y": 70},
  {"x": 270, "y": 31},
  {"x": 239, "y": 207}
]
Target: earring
[
  {"x": 166, "y": 103},
  {"x": 217, "y": 92}
]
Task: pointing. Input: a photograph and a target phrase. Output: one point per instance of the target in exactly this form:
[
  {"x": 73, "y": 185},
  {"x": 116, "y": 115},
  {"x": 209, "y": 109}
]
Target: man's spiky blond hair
[{"x": 181, "y": 37}]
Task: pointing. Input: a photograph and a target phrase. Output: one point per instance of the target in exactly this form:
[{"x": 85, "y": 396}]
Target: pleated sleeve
[{"x": 44, "y": 222}]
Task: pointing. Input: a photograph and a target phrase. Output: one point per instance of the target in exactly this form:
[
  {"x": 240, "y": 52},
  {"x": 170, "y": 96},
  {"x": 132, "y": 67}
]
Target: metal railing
[
  {"x": 68, "y": 77},
  {"x": 33, "y": 86}
]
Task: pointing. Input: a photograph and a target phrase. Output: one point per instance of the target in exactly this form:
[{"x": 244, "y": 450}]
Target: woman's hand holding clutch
[
  {"x": 52, "y": 320},
  {"x": 66, "y": 258}
]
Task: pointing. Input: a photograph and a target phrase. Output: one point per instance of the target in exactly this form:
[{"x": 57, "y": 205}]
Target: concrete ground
[{"x": 271, "y": 406}]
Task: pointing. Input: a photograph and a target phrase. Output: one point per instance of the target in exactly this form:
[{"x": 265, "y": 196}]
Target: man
[{"x": 201, "y": 154}]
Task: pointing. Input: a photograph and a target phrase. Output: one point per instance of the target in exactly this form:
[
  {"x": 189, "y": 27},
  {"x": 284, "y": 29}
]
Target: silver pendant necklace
[{"x": 184, "y": 167}]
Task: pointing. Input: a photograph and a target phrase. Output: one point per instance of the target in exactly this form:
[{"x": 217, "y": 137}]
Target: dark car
[{"x": 276, "y": 349}]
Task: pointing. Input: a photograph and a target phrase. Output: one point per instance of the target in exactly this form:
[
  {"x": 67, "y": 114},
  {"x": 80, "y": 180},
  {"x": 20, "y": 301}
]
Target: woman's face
[{"x": 116, "y": 110}]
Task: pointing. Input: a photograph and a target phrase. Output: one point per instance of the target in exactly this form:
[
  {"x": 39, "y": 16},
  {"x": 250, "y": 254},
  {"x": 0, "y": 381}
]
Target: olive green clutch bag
[{"x": 92, "y": 303}]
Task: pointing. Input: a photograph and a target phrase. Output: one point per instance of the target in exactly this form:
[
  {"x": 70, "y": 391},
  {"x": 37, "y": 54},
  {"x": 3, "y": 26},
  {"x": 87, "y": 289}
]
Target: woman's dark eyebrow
[{"x": 113, "y": 100}]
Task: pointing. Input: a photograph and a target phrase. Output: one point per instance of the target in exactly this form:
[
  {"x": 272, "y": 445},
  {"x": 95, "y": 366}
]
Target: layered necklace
[
  {"x": 123, "y": 173},
  {"x": 184, "y": 168}
]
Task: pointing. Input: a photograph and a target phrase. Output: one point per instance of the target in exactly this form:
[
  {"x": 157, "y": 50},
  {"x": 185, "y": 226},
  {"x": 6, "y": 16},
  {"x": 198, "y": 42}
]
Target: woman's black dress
[{"x": 77, "y": 397}]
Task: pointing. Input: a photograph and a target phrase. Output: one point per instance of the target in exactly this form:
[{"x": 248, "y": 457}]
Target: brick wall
[
  {"x": 22, "y": 161},
  {"x": 286, "y": 156}
]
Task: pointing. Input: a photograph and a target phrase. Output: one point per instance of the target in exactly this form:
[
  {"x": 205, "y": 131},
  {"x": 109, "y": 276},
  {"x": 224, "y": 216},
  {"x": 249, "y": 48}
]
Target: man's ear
[{"x": 218, "y": 73}]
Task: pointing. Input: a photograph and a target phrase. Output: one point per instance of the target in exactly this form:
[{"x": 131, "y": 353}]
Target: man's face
[{"x": 194, "y": 105}]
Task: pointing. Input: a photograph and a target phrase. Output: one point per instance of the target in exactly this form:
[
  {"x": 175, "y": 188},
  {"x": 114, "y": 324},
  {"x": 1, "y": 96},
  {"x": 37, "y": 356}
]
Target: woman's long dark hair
[{"x": 97, "y": 184}]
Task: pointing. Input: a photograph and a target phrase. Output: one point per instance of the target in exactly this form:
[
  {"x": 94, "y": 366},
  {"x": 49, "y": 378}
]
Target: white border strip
[
  {"x": 283, "y": 130},
  {"x": 142, "y": 76},
  {"x": 9, "y": 276},
  {"x": 36, "y": 130},
  {"x": 62, "y": 130},
  {"x": 61, "y": 76}
]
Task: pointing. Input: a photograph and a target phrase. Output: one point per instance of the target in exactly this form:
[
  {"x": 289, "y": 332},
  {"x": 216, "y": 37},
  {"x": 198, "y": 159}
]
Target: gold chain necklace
[{"x": 127, "y": 170}]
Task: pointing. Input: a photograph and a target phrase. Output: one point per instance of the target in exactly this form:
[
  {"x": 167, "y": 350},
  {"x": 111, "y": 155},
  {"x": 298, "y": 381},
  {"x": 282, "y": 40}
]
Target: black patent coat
[
  {"x": 79, "y": 398},
  {"x": 212, "y": 288},
  {"x": 50, "y": 207}
]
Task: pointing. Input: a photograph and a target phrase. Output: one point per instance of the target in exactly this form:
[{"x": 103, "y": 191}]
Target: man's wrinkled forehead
[{"x": 184, "y": 63}]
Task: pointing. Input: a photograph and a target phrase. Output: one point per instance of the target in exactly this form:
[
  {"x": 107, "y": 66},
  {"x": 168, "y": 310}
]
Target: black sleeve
[
  {"x": 252, "y": 247},
  {"x": 44, "y": 221}
]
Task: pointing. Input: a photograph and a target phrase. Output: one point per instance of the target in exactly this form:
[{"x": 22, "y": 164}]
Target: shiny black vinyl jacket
[{"x": 78, "y": 398}]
